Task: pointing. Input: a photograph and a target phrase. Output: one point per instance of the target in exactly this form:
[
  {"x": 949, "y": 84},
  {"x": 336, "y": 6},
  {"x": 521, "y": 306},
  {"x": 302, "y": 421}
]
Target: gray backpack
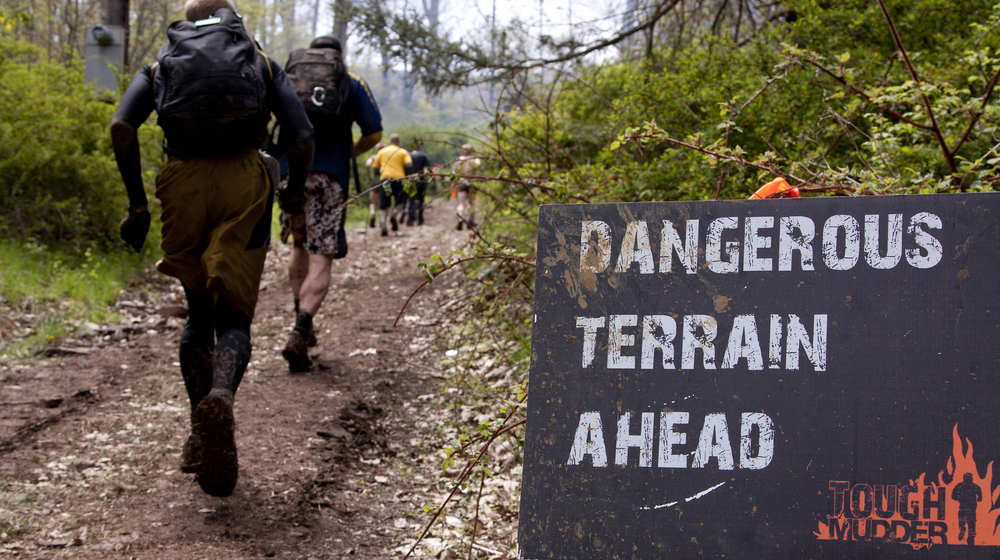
[{"x": 320, "y": 78}]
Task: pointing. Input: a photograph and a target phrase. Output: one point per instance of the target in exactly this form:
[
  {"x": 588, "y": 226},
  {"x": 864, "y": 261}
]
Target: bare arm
[{"x": 366, "y": 143}]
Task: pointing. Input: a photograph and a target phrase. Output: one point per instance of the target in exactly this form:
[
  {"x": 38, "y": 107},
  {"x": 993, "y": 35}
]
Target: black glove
[
  {"x": 134, "y": 228},
  {"x": 289, "y": 202}
]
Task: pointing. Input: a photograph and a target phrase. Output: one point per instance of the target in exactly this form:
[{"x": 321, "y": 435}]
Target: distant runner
[
  {"x": 465, "y": 165},
  {"x": 392, "y": 163},
  {"x": 421, "y": 166}
]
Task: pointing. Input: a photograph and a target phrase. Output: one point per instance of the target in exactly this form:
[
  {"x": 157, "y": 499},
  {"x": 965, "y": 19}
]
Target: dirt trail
[{"x": 334, "y": 462}]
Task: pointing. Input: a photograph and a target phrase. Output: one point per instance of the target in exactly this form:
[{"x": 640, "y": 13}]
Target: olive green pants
[{"x": 216, "y": 224}]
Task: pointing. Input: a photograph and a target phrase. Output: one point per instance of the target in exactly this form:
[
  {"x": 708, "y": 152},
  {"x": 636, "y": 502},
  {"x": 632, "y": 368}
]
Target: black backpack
[
  {"x": 320, "y": 78},
  {"x": 208, "y": 82}
]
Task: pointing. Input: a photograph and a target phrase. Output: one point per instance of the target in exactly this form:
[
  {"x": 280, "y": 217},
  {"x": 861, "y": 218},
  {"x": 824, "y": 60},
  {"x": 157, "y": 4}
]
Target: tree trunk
[
  {"x": 341, "y": 16},
  {"x": 315, "y": 24},
  {"x": 115, "y": 12},
  {"x": 288, "y": 24},
  {"x": 432, "y": 9}
]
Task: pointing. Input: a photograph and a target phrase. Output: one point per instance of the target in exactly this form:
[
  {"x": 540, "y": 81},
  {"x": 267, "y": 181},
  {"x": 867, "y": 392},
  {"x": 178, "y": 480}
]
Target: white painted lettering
[
  {"x": 852, "y": 242},
  {"x": 669, "y": 438},
  {"x": 753, "y": 242},
  {"x": 693, "y": 340},
  {"x": 589, "y": 440},
  {"x": 774, "y": 344},
  {"x": 765, "y": 440},
  {"x": 670, "y": 243},
  {"x": 617, "y": 340},
  {"x": 713, "y": 247},
  {"x": 933, "y": 252},
  {"x": 789, "y": 241},
  {"x": 743, "y": 343},
  {"x": 894, "y": 242},
  {"x": 598, "y": 259},
  {"x": 643, "y": 440},
  {"x": 635, "y": 248},
  {"x": 714, "y": 442},
  {"x": 589, "y": 326},
  {"x": 815, "y": 349},
  {"x": 664, "y": 342}
]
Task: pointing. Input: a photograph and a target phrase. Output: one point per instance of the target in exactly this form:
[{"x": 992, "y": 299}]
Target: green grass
[
  {"x": 60, "y": 288},
  {"x": 357, "y": 214}
]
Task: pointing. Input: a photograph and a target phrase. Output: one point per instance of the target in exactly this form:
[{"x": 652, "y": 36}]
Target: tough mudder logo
[{"x": 956, "y": 509}]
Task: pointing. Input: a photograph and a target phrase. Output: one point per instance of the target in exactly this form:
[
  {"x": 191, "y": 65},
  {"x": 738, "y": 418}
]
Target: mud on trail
[{"x": 336, "y": 462}]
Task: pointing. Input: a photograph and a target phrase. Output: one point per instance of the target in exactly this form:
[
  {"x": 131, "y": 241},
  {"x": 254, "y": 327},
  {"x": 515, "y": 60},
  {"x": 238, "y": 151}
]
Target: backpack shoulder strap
[{"x": 267, "y": 59}]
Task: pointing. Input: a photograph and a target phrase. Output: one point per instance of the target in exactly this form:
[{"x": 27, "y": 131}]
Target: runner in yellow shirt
[{"x": 392, "y": 163}]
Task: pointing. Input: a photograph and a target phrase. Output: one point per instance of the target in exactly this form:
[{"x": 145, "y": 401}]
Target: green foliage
[
  {"x": 59, "y": 288},
  {"x": 828, "y": 102},
  {"x": 58, "y": 179}
]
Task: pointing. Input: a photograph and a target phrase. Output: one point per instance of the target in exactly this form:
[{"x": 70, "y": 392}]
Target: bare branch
[
  {"x": 975, "y": 116},
  {"x": 934, "y": 128}
]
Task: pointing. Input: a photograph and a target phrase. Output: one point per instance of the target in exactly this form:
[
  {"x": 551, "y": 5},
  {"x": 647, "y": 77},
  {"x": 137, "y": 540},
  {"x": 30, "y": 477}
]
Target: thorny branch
[
  {"x": 448, "y": 265},
  {"x": 934, "y": 128},
  {"x": 975, "y": 116},
  {"x": 466, "y": 472},
  {"x": 863, "y": 95}
]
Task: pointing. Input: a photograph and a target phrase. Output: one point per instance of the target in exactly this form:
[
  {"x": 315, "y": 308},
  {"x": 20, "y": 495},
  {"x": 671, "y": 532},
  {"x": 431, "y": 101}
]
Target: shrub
[{"x": 58, "y": 179}]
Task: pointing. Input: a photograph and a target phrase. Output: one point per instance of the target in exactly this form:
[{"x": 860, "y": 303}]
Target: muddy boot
[
  {"x": 393, "y": 223},
  {"x": 311, "y": 338},
  {"x": 191, "y": 456},
  {"x": 296, "y": 351},
  {"x": 215, "y": 426}
]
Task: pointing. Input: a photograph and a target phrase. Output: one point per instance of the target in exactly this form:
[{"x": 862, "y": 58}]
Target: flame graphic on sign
[{"x": 958, "y": 465}]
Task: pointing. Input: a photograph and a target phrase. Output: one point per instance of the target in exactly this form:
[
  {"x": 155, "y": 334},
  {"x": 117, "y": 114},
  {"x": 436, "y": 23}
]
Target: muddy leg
[
  {"x": 214, "y": 422},
  {"x": 232, "y": 352},
  {"x": 197, "y": 344}
]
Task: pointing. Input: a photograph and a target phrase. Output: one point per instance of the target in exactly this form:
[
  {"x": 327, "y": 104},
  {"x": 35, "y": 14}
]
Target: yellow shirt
[{"x": 391, "y": 162}]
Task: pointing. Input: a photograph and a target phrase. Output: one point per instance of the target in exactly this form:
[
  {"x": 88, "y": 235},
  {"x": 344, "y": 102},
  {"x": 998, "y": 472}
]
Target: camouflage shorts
[{"x": 320, "y": 225}]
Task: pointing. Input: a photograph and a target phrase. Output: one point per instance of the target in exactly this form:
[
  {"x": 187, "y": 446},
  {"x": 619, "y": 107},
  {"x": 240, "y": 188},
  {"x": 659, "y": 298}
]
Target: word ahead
[{"x": 712, "y": 443}]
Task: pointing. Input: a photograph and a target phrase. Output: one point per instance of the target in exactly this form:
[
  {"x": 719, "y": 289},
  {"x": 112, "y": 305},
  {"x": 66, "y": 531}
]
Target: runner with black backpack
[
  {"x": 334, "y": 100},
  {"x": 214, "y": 93}
]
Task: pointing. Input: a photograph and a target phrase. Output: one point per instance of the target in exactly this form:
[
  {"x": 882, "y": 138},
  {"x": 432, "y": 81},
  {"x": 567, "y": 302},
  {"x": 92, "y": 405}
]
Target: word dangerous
[
  {"x": 767, "y": 243},
  {"x": 756, "y": 441},
  {"x": 700, "y": 332}
]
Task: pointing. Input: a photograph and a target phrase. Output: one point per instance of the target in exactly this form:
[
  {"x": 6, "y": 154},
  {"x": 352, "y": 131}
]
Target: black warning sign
[{"x": 810, "y": 378}]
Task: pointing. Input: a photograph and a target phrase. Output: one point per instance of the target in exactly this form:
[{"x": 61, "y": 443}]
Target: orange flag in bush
[{"x": 778, "y": 186}]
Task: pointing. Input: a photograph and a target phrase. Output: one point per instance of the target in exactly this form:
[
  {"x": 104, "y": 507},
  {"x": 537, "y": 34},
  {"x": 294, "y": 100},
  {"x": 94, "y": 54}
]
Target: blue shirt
[{"x": 335, "y": 148}]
